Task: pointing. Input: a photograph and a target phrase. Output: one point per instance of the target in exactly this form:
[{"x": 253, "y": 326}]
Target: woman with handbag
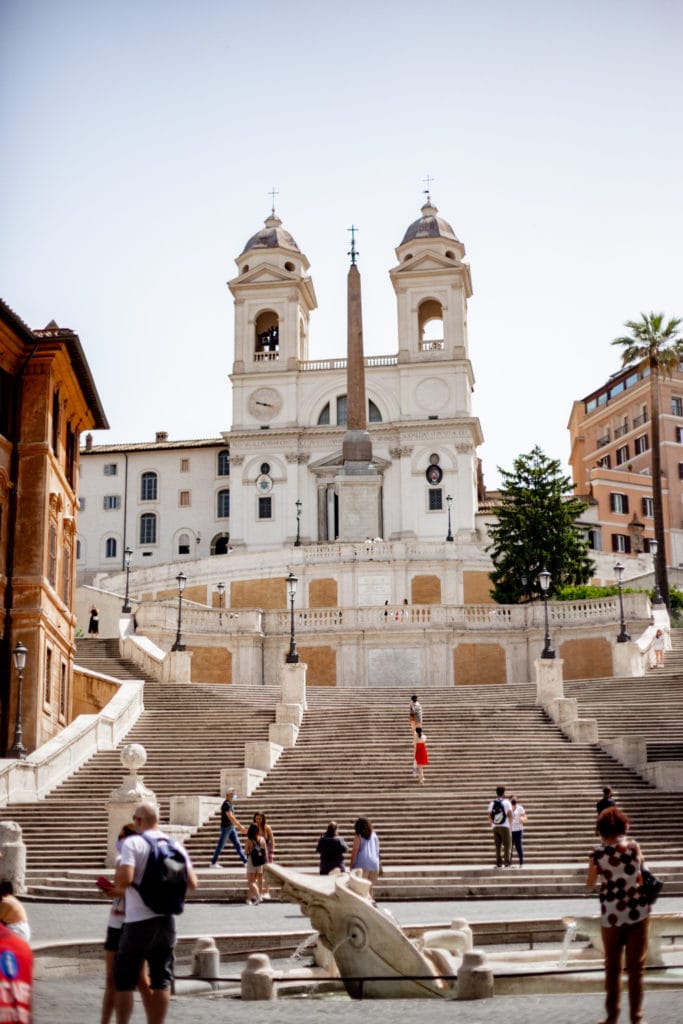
[
  {"x": 257, "y": 857},
  {"x": 618, "y": 863}
]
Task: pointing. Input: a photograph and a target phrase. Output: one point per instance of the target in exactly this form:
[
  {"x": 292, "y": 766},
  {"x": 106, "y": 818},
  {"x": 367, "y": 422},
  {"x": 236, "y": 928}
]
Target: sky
[{"x": 141, "y": 140}]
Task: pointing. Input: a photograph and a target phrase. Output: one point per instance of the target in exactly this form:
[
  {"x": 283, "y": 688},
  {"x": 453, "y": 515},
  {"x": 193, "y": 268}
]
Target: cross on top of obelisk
[
  {"x": 353, "y": 252},
  {"x": 428, "y": 181},
  {"x": 272, "y": 195}
]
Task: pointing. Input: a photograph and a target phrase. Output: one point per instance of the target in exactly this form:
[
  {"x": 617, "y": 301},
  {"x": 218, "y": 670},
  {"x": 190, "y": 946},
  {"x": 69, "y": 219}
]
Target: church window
[
  {"x": 148, "y": 487},
  {"x": 224, "y": 463},
  {"x": 184, "y": 499},
  {"x": 430, "y": 323},
  {"x": 220, "y": 545},
  {"x": 265, "y": 468},
  {"x": 435, "y": 499},
  {"x": 184, "y": 544},
  {"x": 110, "y": 547},
  {"x": 324, "y": 417},
  {"x": 265, "y": 508},
  {"x": 342, "y": 410},
  {"x": 267, "y": 340},
  {"x": 289, "y": 266},
  {"x": 223, "y": 507},
  {"x": 374, "y": 415},
  {"x": 110, "y": 468},
  {"x": 184, "y": 465},
  {"x": 111, "y": 501},
  {"x": 148, "y": 528},
  {"x": 451, "y": 255}
]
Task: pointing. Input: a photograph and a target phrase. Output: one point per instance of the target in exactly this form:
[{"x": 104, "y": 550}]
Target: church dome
[
  {"x": 429, "y": 226},
  {"x": 272, "y": 236}
]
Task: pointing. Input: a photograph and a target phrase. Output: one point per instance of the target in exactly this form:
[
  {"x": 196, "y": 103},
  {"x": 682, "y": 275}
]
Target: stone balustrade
[{"x": 54, "y": 761}]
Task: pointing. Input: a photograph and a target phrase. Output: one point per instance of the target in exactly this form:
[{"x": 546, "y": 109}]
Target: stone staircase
[{"x": 353, "y": 757}]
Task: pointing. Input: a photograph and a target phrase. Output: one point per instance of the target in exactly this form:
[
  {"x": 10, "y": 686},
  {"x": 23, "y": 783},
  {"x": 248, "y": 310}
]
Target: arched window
[
  {"x": 148, "y": 487},
  {"x": 374, "y": 415},
  {"x": 267, "y": 336},
  {"x": 224, "y": 463},
  {"x": 223, "y": 504},
  {"x": 430, "y": 323},
  {"x": 220, "y": 545},
  {"x": 110, "y": 547},
  {"x": 184, "y": 544},
  {"x": 148, "y": 528},
  {"x": 324, "y": 417}
]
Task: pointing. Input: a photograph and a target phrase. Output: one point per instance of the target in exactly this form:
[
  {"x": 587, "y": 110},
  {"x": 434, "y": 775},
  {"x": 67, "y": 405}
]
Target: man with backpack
[
  {"x": 154, "y": 873},
  {"x": 500, "y": 816}
]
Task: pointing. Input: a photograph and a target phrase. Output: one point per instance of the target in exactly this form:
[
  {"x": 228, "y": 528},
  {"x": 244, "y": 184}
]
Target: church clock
[{"x": 264, "y": 403}]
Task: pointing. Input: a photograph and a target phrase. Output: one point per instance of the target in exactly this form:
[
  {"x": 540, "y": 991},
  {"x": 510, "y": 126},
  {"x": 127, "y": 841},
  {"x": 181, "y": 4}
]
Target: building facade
[
  {"x": 610, "y": 457},
  {"x": 47, "y": 398},
  {"x": 271, "y": 477},
  {"x": 168, "y": 501}
]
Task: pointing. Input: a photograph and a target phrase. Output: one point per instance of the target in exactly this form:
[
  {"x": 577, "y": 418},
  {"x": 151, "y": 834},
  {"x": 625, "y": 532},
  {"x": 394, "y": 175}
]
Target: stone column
[
  {"x": 549, "y": 679},
  {"x": 13, "y": 856},
  {"x": 123, "y": 800}
]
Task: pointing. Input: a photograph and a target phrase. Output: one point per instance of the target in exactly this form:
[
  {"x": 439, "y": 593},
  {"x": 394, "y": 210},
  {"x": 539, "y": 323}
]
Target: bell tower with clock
[{"x": 274, "y": 298}]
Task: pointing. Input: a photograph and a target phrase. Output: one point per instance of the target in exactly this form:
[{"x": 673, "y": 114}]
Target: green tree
[
  {"x": 536, "y": 528},
  {"x": 659, "y": 345}
]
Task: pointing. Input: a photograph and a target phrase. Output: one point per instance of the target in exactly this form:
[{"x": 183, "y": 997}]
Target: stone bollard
[
  {"x": 206, "y": 960},
  {"x": 475, "y": 978},
  {"x": 13, "y": 856},
  {"x": 257, "y": 978}
]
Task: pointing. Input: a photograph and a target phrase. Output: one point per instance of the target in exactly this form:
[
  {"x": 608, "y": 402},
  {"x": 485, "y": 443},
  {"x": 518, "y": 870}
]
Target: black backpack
[
  {"x": 164, "y": 881},
  {"x": 258, "y": 854},
  {"x": 498, "y": 815}
]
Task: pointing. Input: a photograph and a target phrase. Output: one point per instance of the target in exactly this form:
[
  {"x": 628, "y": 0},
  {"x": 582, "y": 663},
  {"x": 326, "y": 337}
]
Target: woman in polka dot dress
[{"x": 618, "y": 862}]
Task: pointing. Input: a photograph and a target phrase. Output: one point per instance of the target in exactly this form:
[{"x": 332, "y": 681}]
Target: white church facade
[{"x": 240, "y": 491}]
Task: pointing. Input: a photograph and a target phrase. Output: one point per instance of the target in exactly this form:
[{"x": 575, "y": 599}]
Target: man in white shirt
[
  {"x": 146, "y": 935},
  {"x": 500, "y": 816}
]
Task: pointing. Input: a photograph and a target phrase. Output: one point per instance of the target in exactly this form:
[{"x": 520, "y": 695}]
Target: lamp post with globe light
[
  {"x": 544, "y": 582},
  {"x": 181, "y": 580}
]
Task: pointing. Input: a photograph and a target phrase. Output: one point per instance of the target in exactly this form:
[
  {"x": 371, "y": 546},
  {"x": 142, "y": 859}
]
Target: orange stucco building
[
  {"x": 611, "y": 437},
  {"x": 47, "y": 397}
]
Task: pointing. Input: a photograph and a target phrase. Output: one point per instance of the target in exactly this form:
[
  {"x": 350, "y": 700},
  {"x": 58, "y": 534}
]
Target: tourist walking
[
  {"x": 421, "y": 755},
  {"x": 331, "y": 849},
  {"x": 94, "y": 623},
  {"x": 500, "y": 816},
  {"x": 229, "y": 827},
  {"x": 414, "y": 714},
  {"x": 519, "y": 820},
  {"x": 12, "y": 913},
  {"x": 146, "y": 935},
  {"x": 658, "y": 646},
  {"x": 266, "y": 832},
  {"x": 365, "y": 852},
  {"x": 257, "y": 858},
  {"x": 16, "y": 991},
  {"x": 606, "y": 801},
  {"x": 617, "y": 863},
  {"x": 113, "y": 938}
]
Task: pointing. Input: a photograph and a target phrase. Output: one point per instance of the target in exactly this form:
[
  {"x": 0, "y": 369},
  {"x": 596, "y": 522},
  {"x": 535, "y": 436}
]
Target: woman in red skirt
[{"x": 421, "y": 755}]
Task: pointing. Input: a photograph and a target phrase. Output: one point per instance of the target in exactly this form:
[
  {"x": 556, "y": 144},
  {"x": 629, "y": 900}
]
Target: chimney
[
  {"x": 162, "y": 435},
  {"x": 88, "y": 442}
]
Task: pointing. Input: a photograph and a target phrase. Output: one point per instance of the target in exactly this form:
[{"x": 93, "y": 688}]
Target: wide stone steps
[{"x": 353, "y": 757}]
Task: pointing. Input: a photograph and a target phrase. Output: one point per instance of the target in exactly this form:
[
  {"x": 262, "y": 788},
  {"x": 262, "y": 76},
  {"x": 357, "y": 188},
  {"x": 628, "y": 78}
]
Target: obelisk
[{"x": 358, "y": 485}]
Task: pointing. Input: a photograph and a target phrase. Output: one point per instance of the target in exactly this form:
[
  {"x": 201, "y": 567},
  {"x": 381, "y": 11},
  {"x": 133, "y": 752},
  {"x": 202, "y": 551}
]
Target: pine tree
[{"x": 535, "y": 529}]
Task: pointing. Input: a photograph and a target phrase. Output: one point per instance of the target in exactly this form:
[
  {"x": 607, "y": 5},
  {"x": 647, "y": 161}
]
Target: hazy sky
[{"x": 140, "y": 141}]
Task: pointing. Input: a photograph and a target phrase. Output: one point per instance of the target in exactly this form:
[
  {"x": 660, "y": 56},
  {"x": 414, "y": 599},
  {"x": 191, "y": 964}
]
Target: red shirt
[{"x": 16, "y": 978}]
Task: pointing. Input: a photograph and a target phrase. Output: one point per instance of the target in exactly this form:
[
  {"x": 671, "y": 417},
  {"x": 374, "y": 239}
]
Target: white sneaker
[
  {"x": 216, "y": 867},
  {"x": 266, "y": 896}
]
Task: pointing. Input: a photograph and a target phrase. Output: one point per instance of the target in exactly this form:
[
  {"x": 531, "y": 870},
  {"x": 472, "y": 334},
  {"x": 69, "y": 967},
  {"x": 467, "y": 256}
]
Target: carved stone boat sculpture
[{"x": 365, "y": 941}]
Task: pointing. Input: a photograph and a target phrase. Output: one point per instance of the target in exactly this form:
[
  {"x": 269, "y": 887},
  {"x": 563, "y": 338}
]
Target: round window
[{"x": 265, "y": 468}]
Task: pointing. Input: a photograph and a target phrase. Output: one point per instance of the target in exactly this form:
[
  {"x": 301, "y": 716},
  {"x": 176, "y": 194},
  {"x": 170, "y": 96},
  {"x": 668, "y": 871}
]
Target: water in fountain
[
  {"x": 295, "y": 959},
  {"x": 568, "y": 939}
]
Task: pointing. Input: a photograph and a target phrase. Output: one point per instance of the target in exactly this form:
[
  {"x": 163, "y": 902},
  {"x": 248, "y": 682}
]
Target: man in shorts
[{"x": 146, "y": 935}]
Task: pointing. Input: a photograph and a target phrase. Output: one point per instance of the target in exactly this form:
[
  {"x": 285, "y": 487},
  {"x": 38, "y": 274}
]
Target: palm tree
[{"x": 660, "y": 346}]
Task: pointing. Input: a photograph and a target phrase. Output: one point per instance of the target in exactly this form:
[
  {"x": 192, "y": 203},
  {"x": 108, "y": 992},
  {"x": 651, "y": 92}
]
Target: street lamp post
[
  {"x": 220, "y": 587},
  {"x": 181, "y": 580},
  {"x": 292, "y": 657},
  {"x": 449, "y": 502},
  {"x": 299, "y": 505},
  {"x": 544, "y": 581},
  {"x": 18, "y": 749},
  {"x": 654, "y": 547},
  {"x": 623, "y": 635},
  {"x": 127, "y": 559}
]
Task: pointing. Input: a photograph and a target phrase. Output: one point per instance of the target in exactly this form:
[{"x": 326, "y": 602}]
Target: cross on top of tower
[
  {"x": 353, "y": 252},
  {"x": 272, "y": 195},
  {"x": 428, "y": 181}
]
